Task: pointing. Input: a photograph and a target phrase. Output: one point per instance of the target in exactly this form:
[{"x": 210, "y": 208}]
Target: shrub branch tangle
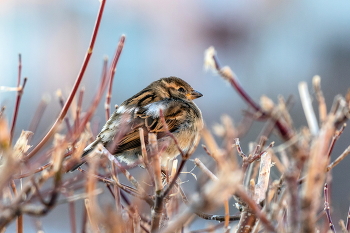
[{"x": 156, "y": 200}]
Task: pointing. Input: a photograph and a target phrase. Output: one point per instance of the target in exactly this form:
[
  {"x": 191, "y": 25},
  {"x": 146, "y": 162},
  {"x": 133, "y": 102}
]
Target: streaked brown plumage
[{"x": 120, "y": 134}]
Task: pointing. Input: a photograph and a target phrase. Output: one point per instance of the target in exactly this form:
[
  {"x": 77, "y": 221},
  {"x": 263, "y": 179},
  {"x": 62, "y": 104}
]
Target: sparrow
[{"x": 173, "y": 97}]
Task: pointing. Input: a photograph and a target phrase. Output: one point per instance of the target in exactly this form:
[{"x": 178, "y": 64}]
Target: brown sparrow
[{"x": 120, "y": 135}]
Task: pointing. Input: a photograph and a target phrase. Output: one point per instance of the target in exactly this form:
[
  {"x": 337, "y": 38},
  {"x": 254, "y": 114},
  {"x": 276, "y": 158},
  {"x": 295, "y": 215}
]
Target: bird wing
[{"x": 148, "y": 119}]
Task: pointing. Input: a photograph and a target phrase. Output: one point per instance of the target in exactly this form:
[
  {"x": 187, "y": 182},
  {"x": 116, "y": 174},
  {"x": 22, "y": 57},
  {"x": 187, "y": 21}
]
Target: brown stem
[
  {"x": 15, "y": 114},
  {"x": 75, "y": 86},
  {"x": 291, "y": 178},
  {"x": 255, "y": 209},
  {"x": 284, "y": 130},
  {"x": 80, "y": 102},
  {"x": 327, "y": 208},
  {"x": 19, "y": 223},
  {"x": 108, "y": 96},
  {"x": 335, "y": 138},
  {"x": 33, "y": 172},
  {"x": 157, "y": 212},
  {"x": 104, "y": 83}
]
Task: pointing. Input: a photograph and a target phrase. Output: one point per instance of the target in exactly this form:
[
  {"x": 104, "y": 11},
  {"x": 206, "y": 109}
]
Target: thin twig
[
  {"x": 15, "y": 114},
  {"x": 212, "y": 61},
  {"x": 214, "y": 217},
  {"x": 255, "y": 209},
  {"x": 145, "y": 156},
  {"x": 322, "y": 107},
  {"x": 65, "y": 108},
  {"x": 105, "y": 82},
  {"x": 308, "y": 110},
  {"x": 339, "y": 159},
  {"x": 327, "y": 208},
  {"x": 78, "y": 110},
  {"x": 335, "y": 138},
  {"x": 108, "y": 95}
]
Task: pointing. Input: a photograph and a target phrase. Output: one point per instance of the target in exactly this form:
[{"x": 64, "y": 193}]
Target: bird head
[{"x": 178, "y": 88}]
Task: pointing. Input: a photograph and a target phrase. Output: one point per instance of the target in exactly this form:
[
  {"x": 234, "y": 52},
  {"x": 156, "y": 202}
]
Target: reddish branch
[
  {"x": 80, "y": 102},
  {"x": 18, "y": 101},
  {"x": 75, "y": 86},
  {"x": 103, "y": 85},
  {"x": 327, "y": 208},
  {"x": 284, "y": 130},
  {"x": 335, "y": 138}
]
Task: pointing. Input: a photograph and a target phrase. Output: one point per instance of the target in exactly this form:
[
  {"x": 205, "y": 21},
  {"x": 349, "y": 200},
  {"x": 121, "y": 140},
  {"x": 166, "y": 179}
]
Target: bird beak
[{"x": 194, "y": 95}]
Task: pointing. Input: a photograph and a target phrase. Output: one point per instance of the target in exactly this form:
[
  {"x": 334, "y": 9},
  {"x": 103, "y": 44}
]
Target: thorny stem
[{"x": 75, "y": 86}]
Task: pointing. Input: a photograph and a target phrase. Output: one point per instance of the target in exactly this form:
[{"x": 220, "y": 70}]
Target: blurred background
[{"x": 271, "y": 46}]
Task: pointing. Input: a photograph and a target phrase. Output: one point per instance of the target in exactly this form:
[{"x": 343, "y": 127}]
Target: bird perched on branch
[{"x": 173, "y": 97}]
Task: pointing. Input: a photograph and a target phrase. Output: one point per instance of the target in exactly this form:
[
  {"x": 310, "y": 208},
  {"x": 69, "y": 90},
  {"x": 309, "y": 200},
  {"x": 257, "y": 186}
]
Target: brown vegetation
[{"x": 290, "y": 203}]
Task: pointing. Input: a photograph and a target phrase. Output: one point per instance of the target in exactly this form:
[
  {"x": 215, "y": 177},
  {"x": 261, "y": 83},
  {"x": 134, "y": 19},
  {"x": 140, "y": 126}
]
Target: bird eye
[{"x": 181, "y": 89}]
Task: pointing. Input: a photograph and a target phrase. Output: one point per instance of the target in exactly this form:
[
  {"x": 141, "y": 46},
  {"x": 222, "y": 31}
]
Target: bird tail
[{"x": 87, "y": 151}]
